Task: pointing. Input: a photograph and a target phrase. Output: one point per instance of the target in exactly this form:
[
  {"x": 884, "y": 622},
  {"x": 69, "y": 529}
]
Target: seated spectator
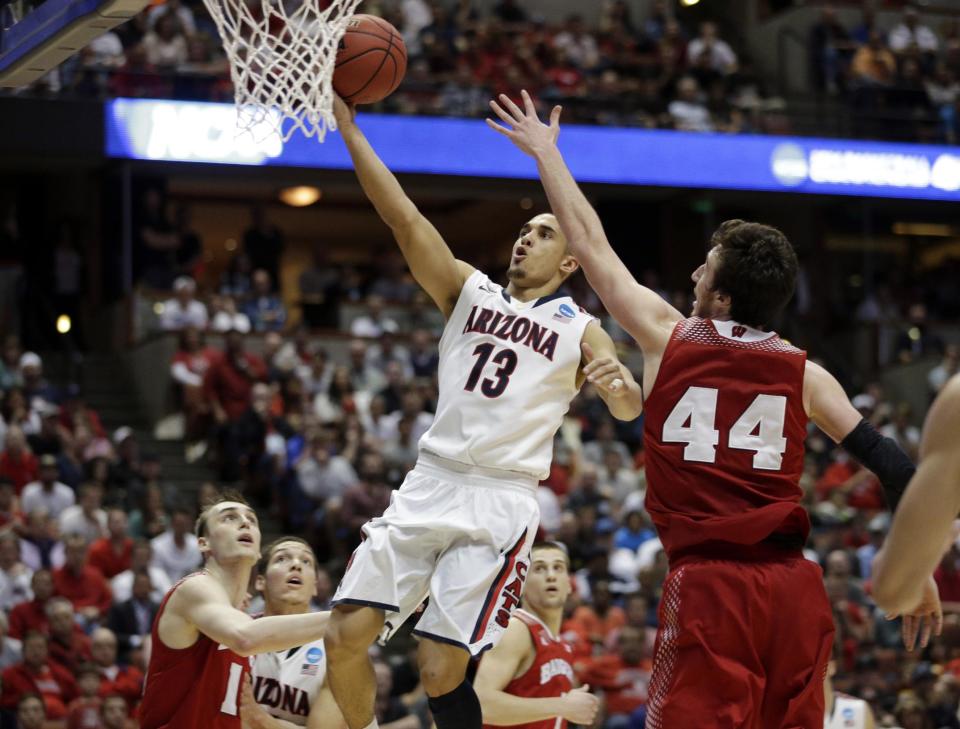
[
  {"x": 40, "y": 546},
  {"x": 910, "y": 36},
  {"x": 80, "y": 583},
  {"x": 624, "y": 677},
  {"x": 104, "y": 51},
  {"x": 385, "y": 352},
  {"x": 390, "y": 710},
  {"x": 35, "y": 386},
  {"x": 68, "y": 645},
  {"x": 31, "y": 712},
  {"x": 226, "y": 316},
  {"x": 183, "y": 309},
  {"x": 51, "y": 435},
  {"x": 84, "y": 711},
  {"x": 166, "y": 44},
  {"x": 141, "y": 559},
  {"x": 605, "y": 439},
  {"x": 361, "y": 377},
  {"x": 366, "y": 499},
  {"x": 579, "y": 45},
  {"x": 374, "y": 322},
  {"x": 720, "y": 55},
  {"x": 688, "y": 111},
  {"x": 264, "y": 308},
  {"x": 11, "y": 649},
  {"x": 10, "y": 514},
  {"x": 183, "y": 14},
  {"x": 321, "y": 472},
  {"x": 114, "y": 713},
  {"x": 229, "y": 381},
  {"x": 149, "y": 519},
  {"x": 424, "y": 357},
  {"x": 38, "y": 675},
  {"x": 14, "y": 575},
  {"x": 32, "y": 616},
  {"x": 125, "y": 681},
  {"x": 86, "y": 518},
  {"x": 873, "y": 64},
  {"x": 132, "y": 618},
  {"x": 17, "y": 462},
  {"x": 176, "y": 551},
  {"x": 412, "y": 409},
  {"x": 112, "y": 554},
  {"x": 48, "y": 493},
  {"x": 901, "y": 430},
  {"x": 597, "y": 620}
]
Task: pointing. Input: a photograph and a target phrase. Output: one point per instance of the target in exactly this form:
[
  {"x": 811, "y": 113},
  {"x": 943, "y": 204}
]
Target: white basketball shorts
[{"x": 456, "y": 534}]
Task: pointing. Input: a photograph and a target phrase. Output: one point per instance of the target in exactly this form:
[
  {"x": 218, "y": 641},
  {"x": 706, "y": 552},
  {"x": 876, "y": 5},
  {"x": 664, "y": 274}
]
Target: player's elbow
[{"x": 242, "y": 642}]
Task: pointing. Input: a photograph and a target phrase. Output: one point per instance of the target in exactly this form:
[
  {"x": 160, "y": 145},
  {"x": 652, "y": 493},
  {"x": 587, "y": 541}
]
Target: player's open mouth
[
  {"x": 517, "y": 257},
  {"x": 294, "y": 581},
  {"x": 246, "y": 538}
]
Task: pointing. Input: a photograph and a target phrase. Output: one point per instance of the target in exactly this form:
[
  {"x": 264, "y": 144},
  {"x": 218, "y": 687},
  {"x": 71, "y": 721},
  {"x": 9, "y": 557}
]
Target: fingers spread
[{"x": 512, "y": 107}]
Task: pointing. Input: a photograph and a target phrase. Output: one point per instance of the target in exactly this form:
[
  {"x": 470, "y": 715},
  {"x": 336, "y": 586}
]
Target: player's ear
[
  {"x": 203, "y": 544},
  {"x": 569, "y": 265},
  {"x": 259, "y": 583}
]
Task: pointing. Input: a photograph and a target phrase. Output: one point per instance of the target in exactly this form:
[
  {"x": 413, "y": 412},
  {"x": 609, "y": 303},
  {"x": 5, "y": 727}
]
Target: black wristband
[{"x": 882, "y": 456}]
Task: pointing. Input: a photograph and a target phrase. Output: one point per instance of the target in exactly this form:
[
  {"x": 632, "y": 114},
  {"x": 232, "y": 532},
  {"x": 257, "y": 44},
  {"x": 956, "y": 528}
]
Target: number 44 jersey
[
  {"x": 508, "y": 371},
  {"x": 724, "y": 437}
]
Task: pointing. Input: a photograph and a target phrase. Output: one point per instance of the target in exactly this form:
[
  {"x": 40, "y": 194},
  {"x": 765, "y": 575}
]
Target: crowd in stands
[{"x": 901, "y": 82}]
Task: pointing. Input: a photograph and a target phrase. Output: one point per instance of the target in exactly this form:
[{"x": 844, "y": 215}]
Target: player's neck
[
  {"x": 551, "y": 617},
  {"x": 270, "y": 609},
  {"x": 828, "y": 698},
  {"x": 234, "y": 576},
  {"x": 524, "y": 294}
]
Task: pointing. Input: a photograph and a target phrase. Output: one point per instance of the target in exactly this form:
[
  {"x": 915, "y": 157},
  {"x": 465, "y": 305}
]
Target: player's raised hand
[
  {"x": 602, "y": 372},
  {"x": 580, "y": 706},
  {"x": 925, "y": 619},
  {"x": 523, "y": 127}
]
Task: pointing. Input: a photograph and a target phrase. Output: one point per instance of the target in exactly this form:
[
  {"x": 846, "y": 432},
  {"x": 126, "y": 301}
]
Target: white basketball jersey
[
  {"x": 508, "y": 371},
  {"x": 848, "y": 713},
  {"x": 286, "y": 683}
]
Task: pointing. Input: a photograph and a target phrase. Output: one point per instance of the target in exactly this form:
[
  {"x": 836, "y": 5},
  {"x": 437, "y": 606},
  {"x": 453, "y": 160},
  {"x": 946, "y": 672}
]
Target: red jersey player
[
  {"x": 745, "y": 625},
  {"x": 527, "y": 679},
  {"x": 201, "y": 640}
]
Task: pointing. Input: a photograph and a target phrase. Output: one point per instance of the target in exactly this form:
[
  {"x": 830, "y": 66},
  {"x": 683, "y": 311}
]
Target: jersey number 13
[{"x": 758, "y": 429}]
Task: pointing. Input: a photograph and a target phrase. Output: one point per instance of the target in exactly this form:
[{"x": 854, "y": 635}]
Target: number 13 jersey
[
  {"x": 508, "y": 371},
  {"x": 724, "y": 436}
]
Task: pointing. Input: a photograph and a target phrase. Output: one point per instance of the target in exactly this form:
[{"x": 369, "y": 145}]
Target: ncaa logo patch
[
  {"x": 314, "y": 655},
  {"x": 567, "y": 311}
]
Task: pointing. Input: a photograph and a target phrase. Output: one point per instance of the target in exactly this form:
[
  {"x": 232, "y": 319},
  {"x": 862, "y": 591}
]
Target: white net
[{"x": 282, "y": 54}]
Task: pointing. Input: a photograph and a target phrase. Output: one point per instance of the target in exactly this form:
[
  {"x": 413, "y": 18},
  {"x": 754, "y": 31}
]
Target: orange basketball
[{"x": 371, "y": 60}]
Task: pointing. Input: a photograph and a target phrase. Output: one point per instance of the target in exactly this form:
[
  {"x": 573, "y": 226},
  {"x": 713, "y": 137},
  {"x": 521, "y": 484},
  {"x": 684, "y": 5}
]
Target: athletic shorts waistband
[
  {"x": 772, "y": 549},
  {"x": 435, "y": 466}
]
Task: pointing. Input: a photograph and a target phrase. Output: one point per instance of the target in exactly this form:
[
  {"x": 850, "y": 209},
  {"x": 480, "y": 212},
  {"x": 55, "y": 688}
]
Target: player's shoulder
[
  {"x": 198, "y": 587},
  {"x": 516, "y": 639}
]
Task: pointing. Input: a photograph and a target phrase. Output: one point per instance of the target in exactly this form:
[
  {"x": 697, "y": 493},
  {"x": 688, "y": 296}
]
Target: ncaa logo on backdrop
[
  {"x": 788, "y": 162},
  {"x": 314, "y": 655}
]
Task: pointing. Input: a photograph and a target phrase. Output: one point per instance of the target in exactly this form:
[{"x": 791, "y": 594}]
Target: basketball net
[{"x": 282, "y": 54}]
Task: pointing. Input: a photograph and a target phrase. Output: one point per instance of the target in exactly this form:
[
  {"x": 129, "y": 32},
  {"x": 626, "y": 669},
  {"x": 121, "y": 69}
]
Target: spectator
[
  {"x": 38, "y": 675},
  {"x": 141, "y": 560},
  {"x": 149, "y": 519},
  {"x": 623, "y": 677},
  {"x": 11, "y": 649},
  {"x": 32, "y": 615},
  {"x": 176, "y": 551},
  {"x": 263, "y": 243},
  {"x": 183, "y": 14},
  {"x": 10, "y": 362},
  {"x": 366, "y": 499},
  {"x": 385, "y": 353},
  {"x": 322, "y": 473},
  {"x": 131, "y": 619},
  {"x": 183, "y": 310},
  {"x": 901, "y": 430},
  {"x": 579, "y": 45},
  {"x": 909, "y": 36},
  {"x": 229, "y": 381},
  {"x": 948, "y": 367},
  {"x": 17, "y": 462},
  {"x": 360, "y": 376},
  {"x": 423, "y": 354},
  {"x": 15, "y": 576},
  {"x": 605, "y": 440},
  {"x": 115, "y": 714},
  {"x": 105, "y": 51},
  {"x": 917, "y": 340},
  {"x": 112, "y": 554},
  {"x": 947, "y": 577},
  {"x": 720, "y": 56},
  {"x": 50, "y": 436},
  {"x": 412, "y": 408},
  {"x": 597, "y": 620},
  {"x": 48, "y": 493},
  {"x": 390, "y": 710},
  {"x": 31, "y": 712},
  {"x": 84, "y": 711},
  {"x": 68, "y": 645},
  {"x": 124, "y": 681},
  {"x": 226, "y": 316},
  {"x": 88, "y": 519},
  {"x": 877, "y": 530},
  {"x": 80, "y": 583},
  {"x": 830, "y": 51},
  {"x": 166, "y": 46},
  {"x": 264, "y": 309},
  {"x": 41, "y": 545},
  {"x": 943, "y": 92},
  {"x": 688, "y": 111},
  {"x": 10, "y": 515},
  {"x": 35, "y": 386},
  {"x": 873, "y": 65},
  {"x": 374, "y": 322}
]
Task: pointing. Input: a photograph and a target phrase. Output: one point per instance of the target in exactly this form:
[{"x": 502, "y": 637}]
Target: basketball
[{"x": 371, "y": 60}]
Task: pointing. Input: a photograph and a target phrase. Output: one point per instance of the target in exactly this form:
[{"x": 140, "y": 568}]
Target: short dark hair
[
  {"x": 201, "y": 525},
  {"x": 558, "y": 546},
  {"x": 272, "y": 547},
  {"x": 757, "y": 270}
]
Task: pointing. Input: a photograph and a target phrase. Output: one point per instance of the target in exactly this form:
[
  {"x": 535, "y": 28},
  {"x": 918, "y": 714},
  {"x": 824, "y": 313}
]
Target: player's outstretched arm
[
  {"x": 202, "y": 602},
  {"x": 639, "y": 310},
  {"x": 430, "y": 259},
  {"x": 498, "y": 668},
  {"x": 923, "y": 524},
  {"x": 614, "y": 382}
]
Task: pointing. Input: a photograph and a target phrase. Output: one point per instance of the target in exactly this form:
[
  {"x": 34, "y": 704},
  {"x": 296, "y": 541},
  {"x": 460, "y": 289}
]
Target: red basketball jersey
[
  {"x": 724, "y": 436},
  {"x": 549, "y": 676},
  {"x": 191, "y": 687}
]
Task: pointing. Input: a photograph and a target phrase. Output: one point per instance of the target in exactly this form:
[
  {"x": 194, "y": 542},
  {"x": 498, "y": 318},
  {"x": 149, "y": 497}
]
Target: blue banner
[{"x": 180, "y": 131}]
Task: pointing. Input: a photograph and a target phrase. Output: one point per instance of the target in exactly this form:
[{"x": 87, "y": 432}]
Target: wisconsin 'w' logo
[{"x": 739, "y": 331}]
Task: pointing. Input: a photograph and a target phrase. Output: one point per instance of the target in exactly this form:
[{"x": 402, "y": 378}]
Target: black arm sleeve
[{"x": 882, "y": 456}]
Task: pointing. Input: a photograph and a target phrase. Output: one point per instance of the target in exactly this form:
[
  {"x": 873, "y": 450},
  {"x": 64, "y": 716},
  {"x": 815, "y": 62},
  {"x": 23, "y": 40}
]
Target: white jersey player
[
  {"x": 844, "y": 712},
  {"x": 460, "y": 528},
  {"x": 288, "y": 688}
]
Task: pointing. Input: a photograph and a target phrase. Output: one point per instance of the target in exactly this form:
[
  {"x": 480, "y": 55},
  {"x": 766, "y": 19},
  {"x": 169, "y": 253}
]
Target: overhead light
[
  {"x": 931, "y": 230},
  {"x": 300, "y": 196},
  {"x": 230, "y": 244},
  {"x": 689, "y": 3},
  {"x": 64, "y": 324},
  {"x": 526, "y": 203}
]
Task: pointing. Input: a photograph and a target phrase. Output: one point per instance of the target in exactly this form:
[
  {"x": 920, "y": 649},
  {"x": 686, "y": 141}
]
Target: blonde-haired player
[
  {"x": 460, "y": 528},
  {"x": 288, "y": 688}
]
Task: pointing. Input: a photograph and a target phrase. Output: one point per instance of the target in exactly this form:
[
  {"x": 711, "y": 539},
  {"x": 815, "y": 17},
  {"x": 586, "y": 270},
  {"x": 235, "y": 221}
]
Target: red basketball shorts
[{"x": 742, "y": 645}]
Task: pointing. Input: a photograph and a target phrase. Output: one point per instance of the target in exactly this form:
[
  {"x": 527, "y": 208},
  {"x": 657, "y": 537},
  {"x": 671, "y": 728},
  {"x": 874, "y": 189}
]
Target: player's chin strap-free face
[{"x": 882, "y": 456}]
